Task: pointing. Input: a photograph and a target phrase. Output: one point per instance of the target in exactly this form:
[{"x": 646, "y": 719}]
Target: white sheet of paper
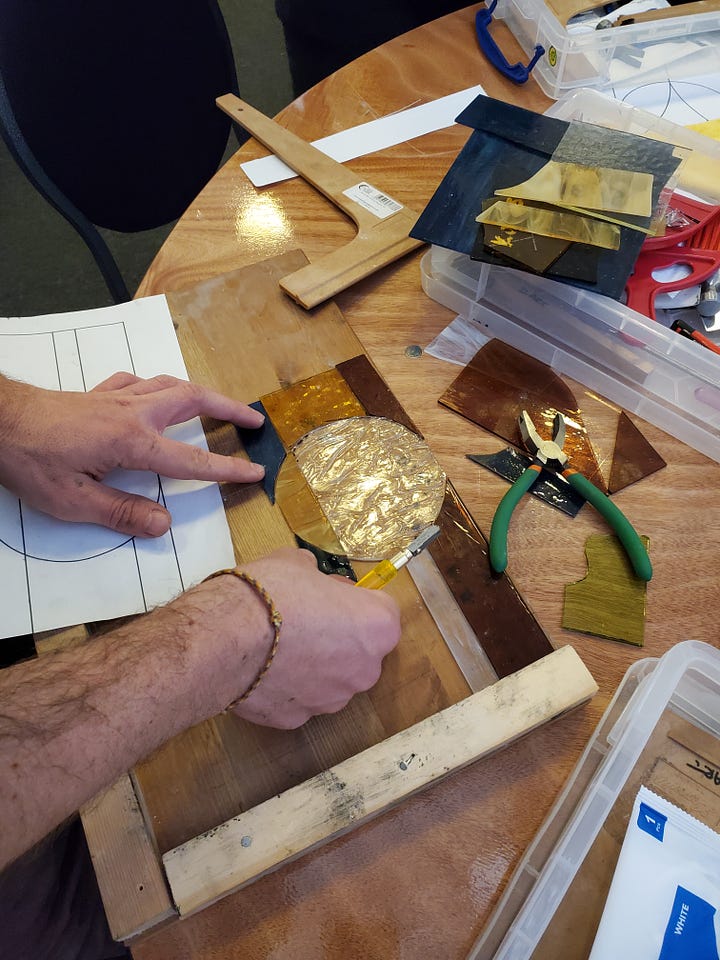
[
  {"x": 371, "y": 136},
  {"x": 54, "y": 573},
  {"x": 680, "y": 98}
]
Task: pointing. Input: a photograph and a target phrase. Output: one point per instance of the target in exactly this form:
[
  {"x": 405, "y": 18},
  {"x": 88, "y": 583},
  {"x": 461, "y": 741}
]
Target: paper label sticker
[
  {"x": 651, "y": 821},
  {"x": 377, "y": 202}
]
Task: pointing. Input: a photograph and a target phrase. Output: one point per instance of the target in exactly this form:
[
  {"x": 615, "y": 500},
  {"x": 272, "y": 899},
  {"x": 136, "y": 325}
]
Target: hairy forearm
[{"x": 72, "y": 722}]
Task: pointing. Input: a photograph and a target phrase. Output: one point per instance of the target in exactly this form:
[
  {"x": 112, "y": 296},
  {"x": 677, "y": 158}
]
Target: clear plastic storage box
[
  {"x": 636, "y": 362},
  {"x": 660, "y": 728},
  {"x": 620, "y": 54},
  {"x": 642, "y": 366}
]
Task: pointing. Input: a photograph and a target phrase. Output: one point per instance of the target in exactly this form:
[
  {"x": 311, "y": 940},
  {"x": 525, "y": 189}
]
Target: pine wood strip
[
  {"x": 340, "y": 799},
  {"x": 126, "y": 862}
]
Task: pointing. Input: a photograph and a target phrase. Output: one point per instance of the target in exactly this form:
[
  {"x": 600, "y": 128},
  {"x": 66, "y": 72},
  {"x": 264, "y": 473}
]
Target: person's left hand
[{"x": 56, "y": 446}]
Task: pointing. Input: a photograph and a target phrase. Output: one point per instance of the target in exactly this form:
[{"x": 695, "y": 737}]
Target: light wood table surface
[{"x": 420, "y": 882}]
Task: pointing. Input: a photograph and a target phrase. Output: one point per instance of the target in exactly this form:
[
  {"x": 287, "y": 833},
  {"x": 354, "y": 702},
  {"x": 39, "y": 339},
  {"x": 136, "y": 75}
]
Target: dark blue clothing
[
  {"x": 323, "y": 35},
  {"x": 51, "y": 906}
]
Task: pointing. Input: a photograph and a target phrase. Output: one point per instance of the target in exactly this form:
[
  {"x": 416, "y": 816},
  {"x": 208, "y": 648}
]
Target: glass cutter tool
[{"x": 549, "y": 454}]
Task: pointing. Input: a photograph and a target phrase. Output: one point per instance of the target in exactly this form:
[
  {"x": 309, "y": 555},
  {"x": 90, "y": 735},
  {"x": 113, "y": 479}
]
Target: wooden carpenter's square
[{"x": 383, "y": 224}]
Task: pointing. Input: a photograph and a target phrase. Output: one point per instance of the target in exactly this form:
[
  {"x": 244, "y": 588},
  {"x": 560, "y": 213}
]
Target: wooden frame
[{"x": 146, "y": 875}]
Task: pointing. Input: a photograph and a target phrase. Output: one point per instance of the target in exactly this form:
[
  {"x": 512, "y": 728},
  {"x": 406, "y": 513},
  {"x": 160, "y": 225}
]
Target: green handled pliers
[{"x": 549, "y": 454}]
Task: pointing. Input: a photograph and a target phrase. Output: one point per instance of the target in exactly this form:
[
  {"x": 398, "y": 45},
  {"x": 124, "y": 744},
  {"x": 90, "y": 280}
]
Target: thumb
[{"x": 125, "y": 512}]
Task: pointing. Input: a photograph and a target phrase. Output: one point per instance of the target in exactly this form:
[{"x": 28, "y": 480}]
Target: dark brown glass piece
[
  {"x": 633, "y": 456},
  {"x": 511, "y": 636},
  {"x": 372, "y": 391}
]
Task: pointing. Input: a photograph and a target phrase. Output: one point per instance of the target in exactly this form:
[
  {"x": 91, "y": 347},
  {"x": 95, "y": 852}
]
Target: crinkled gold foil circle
[{"x": 377, "y": 483}]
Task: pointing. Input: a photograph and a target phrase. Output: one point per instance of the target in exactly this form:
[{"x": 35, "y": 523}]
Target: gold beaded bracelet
[{"x": 276, "y": 621}]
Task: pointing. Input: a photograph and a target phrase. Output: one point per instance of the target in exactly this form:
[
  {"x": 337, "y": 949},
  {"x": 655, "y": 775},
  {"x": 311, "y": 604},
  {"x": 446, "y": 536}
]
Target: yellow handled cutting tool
[{"x": 387, "y": 569}]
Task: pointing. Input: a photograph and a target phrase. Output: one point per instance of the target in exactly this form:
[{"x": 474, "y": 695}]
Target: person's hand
[
  {"x": 56, "y": 447},
  {"x": 332, "y": 641}
]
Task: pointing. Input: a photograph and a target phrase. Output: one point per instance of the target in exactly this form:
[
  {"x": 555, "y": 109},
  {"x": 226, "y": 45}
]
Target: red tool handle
[{"x": 642, "y": 287}]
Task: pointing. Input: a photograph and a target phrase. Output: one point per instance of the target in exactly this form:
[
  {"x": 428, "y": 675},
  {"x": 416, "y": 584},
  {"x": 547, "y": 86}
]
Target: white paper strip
[{"x": 372, "y": 136}]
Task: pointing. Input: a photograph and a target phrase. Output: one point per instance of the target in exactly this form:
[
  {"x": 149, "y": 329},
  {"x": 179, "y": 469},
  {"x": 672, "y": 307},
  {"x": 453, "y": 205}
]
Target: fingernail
[
  {"x": 258, "y": 471},
  {"x": 157, "y": 524}
]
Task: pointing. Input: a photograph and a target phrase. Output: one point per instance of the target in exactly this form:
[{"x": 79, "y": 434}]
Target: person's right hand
[{"x": 332, "y": 642}]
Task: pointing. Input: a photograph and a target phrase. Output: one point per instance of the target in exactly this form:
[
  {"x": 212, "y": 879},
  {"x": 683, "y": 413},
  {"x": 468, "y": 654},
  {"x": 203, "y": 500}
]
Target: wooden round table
[{"x": 420, "y": 881}]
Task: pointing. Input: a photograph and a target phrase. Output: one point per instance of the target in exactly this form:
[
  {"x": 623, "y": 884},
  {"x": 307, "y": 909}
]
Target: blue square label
[{"x": 651, "y": 821}]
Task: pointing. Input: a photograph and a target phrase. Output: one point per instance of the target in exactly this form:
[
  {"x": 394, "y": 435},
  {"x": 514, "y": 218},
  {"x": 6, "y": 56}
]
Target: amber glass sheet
[
  {"x": 300, "y": 408},
  {"x": 610, "y": 600},
  {"x": 593, "y": 188},
  {"x": 553, "y": 223},
  {"x": 301, "y": 510}
]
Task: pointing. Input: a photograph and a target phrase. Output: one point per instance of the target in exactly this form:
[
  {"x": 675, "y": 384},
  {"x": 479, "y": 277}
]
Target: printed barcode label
[{"x": 373, "y": 200}]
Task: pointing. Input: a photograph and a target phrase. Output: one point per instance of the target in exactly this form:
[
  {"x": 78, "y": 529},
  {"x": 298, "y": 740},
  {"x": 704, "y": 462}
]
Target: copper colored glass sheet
[
  {"x": 500, "y": 382},
  {"x": 610, "y": 601},
  {"x": 591, "y": 188},
  {"x": 511, "y": 636},
  {"x": 376, "y": 481},
  {"x": 301, "y": 407},
  {"x": 633, "y": 457},
  {"x": 553, "y": 223}
]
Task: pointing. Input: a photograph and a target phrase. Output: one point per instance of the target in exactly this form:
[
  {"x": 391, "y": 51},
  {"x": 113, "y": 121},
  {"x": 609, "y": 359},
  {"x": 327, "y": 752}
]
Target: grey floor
[{"x": 44, "y": 266}]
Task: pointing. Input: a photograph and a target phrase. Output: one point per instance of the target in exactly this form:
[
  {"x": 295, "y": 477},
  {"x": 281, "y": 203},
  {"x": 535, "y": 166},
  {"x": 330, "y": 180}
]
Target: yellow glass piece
[
  {"x": 710, "y": 128},
  {"x": 552, "y": 223},
  {"x": 591, "y": 188},
  {"x": 301, "y": 510},
  {"x": 610, "y": 601},
  {"x": 377, "y": 483},
  {"x": 649, "y": 231},
  {"x": 301, "y": 407}
]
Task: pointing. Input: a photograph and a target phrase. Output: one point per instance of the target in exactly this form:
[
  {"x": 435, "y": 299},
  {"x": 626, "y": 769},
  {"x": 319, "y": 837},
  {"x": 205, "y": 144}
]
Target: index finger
[
  {"x": 184, "y": 400},
  {"x": 183, "y": 461}
]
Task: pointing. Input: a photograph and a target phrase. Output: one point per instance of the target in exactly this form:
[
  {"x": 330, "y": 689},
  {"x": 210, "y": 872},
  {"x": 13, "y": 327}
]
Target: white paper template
[
  {"x": 55, "y": 573},
  {"x": 683, "y": 101},
  {"x": 371, "y": 136}
]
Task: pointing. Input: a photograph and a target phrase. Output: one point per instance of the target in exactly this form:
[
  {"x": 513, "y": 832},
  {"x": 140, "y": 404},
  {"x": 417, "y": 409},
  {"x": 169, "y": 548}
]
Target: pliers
[{"x": 549, "y": 454}]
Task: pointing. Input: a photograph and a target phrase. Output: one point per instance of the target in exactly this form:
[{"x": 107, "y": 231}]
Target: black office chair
[{"x": 109, "y": 109}]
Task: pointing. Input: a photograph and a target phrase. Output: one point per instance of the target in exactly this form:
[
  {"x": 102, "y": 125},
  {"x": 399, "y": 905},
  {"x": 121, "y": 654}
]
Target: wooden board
[
  {"x": 226, "y": 768},
  {"x": 242, "y": 849}
]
